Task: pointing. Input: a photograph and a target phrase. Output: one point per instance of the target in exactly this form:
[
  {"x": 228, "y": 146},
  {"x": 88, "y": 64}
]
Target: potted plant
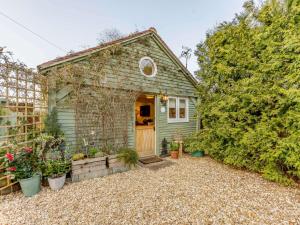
[
  {"x": 56, "y": 171},
  {"x": 24, "y": 167},
  {"x": 128, "y": 156},
  {"x": 194, "y": 147},
  {"x": 174, "y": 150}
]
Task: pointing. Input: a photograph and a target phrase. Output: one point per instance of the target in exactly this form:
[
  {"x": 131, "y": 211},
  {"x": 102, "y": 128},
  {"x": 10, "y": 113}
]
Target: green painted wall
[
  {"x": 168, "y": 130},
  {"x": 169, "y": 79}
]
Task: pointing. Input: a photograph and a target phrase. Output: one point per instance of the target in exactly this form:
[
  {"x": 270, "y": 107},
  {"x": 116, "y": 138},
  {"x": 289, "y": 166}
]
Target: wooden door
[{"x": 145, "y": 140}]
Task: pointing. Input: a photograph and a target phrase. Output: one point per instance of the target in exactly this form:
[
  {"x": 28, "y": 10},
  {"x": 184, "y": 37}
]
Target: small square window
[{"x": 177, "y": 110}]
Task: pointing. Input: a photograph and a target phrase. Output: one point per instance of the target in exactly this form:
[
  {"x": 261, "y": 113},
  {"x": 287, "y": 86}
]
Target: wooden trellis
[{"x": 23, "y": 105}]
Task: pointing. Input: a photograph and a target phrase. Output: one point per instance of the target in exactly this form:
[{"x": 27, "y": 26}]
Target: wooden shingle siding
[
  {"x": 168, "y": 130},
  {"x": 170, "y": 80},
  {"x": 66, "y": 117},
  {"x": 169, "y": 77}
]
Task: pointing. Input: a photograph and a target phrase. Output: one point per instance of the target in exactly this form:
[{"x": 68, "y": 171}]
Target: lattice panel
[{"x": 23, "y": 105}]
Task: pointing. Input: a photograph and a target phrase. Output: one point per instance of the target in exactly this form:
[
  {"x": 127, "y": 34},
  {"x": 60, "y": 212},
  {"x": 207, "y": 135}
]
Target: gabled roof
[{"x": 151, "y": 31}]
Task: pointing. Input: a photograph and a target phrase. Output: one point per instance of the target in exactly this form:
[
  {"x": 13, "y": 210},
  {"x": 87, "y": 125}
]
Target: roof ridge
[{"x": 78, "y": 53}]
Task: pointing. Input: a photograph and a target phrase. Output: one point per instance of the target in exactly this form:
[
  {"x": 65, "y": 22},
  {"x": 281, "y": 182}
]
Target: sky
[{"x": 75, "y": 25}]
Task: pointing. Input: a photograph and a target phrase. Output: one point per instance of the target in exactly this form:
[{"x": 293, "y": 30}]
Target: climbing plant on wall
[{"x": 103, "y": 107}]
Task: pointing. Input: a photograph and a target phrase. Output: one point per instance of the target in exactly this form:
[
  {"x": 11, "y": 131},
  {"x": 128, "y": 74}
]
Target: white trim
[
  {"x": 155, "y": 125},
  {"x": 155, "y": 152},
  {"x": 154, "y": 64},
  {"x": 177, "y": 119}
]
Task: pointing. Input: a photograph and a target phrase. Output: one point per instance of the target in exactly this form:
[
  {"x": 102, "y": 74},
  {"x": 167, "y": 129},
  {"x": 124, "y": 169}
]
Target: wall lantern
[{"x": 163, "y": 99}]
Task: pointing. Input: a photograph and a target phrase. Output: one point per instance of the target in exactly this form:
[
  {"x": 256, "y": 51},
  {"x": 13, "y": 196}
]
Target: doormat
[{"x": 152, "y": 159}]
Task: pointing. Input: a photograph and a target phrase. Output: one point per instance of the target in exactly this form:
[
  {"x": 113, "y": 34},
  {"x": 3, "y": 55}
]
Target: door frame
[{"x": 155, "y": 122}]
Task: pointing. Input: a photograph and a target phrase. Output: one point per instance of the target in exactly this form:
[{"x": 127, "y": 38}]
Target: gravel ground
[{"x": 191, "y": 191}]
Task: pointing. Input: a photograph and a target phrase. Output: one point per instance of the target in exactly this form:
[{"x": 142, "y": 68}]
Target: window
[
  {"x": 182, "y": 108},
  {"x": 172, "y": 108},
  {"x": 147, "y": 67},
  {"x": 177, "y": 110}
]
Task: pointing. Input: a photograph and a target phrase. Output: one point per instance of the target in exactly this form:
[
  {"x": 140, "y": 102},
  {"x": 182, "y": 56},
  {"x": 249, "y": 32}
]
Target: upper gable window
[{"x": 148, "y": 67}]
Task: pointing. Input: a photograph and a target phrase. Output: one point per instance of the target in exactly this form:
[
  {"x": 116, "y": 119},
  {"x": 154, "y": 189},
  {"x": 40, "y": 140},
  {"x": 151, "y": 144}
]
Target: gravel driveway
[{"x": 191, "y": 191}]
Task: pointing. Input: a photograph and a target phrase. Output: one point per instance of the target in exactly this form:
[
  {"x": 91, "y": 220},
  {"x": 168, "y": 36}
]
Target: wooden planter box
[
  {"x": 115, "y": 166},
  {"x": 96, "y": 167}
]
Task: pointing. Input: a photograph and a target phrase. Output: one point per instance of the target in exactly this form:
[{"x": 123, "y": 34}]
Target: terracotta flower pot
[{"x": 174, "y": 154}]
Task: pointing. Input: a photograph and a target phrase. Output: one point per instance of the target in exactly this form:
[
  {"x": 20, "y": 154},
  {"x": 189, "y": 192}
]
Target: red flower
[
  {"x": 9, "y": 156},
  {"x": 28, "y": 149},
  {"x": 12, "y": 168}
]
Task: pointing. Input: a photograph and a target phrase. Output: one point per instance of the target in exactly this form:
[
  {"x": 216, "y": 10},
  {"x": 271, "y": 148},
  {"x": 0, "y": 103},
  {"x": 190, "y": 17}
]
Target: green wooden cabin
[{"x": 165, "y": 107}]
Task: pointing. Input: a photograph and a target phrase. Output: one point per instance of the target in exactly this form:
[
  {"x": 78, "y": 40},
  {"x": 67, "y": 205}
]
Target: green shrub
[
  {"x": 78, "y": 156},
  {"x": 174, "y": 146},
  {"x": 56, "y": 168},
  {"x": 52, "y": 127},
  {"x": 92, "y": 151},
  {"x": 250, "y": 91},
  {"x": 191, "y": 144},
  {"x": 128, "y": 156}
]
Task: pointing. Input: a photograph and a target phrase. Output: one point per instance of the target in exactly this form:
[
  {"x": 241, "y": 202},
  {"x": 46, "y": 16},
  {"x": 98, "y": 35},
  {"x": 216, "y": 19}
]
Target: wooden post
[{"x": 180, "y": 148}]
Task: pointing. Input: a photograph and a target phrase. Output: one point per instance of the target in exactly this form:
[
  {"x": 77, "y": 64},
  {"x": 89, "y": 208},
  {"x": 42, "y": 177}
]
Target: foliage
[
  {"x": 95, "y": 152},
  {"x": 102, "y": 109},
  {"x": 250, "y": 90},
  {"x": 23, "y": 164},
  {"x": 128, "y": 156},
  {"x": 2, "y": 112},
  {"x": 191, "y": 144},
  {"x": 99, "y": 154},
  {"x": 78, "y": 156},
  {"x": 92, "y": 151},
  {"x": 109, "y": 35},
  {"x": 23, "y": 103},
  {"x": 56, "y": 168},
  {"x": 49, "y": 145},
  {"x": 52, "y": 127},
  {"x": 186, "y": 53},
  {"x": 174, "y": 146}
]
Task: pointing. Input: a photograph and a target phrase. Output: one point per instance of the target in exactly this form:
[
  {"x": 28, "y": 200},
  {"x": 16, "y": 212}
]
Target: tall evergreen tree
[{"x": 250, "y": 90}]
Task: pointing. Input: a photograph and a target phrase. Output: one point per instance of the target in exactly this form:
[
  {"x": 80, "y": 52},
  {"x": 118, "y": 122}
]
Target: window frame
[
  {"x": 178, "y": 119},
  {"x": 154, "y": 64}
]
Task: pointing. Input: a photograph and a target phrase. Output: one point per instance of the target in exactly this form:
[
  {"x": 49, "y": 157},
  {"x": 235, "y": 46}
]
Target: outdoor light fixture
[{"x": 163, "y": 99}]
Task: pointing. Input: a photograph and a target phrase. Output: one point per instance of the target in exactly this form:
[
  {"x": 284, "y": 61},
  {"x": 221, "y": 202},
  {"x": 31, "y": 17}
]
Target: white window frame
[
  {"x": 154, "y": 64},
  {"x": 177, "y": 119}
]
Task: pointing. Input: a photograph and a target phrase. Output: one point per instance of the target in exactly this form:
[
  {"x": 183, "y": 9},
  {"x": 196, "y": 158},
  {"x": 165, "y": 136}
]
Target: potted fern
[{"x": 174, "y": 150}]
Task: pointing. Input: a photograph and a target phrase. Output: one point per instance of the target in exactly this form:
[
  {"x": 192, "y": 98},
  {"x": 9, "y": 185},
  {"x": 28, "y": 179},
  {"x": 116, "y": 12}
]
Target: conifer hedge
[{"x": 250, "y": 90}]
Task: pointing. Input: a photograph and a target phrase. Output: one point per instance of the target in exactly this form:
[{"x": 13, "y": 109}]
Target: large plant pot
[
  {"x": 31, "y": 186},
  {"x": 57, "y": 183},
  {"x": 198, "y": 153},
  {"x": 174, "y": 154}
]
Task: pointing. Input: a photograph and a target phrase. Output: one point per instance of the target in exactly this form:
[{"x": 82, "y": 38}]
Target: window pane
[
  {"x": 172, "y": 108},
  {"x": 182, "y": 108},
  {"x": 147, "y": 67}
]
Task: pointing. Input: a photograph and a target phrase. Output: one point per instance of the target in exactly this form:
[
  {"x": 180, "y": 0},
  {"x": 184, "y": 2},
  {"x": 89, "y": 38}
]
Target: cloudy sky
[{"x": 74, "y": 24}]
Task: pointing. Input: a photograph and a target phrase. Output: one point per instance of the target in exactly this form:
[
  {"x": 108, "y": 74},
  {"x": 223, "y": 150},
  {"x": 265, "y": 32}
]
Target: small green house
[{"x": 163, "y": 107}]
